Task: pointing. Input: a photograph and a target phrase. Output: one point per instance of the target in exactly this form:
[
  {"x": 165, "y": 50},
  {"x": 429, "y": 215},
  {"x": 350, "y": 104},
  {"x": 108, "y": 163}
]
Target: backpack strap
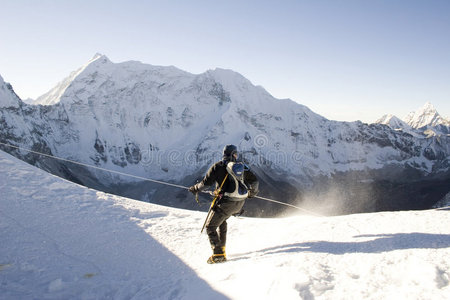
[{"x": 236, "y": 194}]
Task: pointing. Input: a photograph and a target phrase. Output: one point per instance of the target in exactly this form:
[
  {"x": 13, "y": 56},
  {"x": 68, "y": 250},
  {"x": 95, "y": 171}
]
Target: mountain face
[
  {"x": 8, "y": 98},
  {"x": 167, "y": 124}
]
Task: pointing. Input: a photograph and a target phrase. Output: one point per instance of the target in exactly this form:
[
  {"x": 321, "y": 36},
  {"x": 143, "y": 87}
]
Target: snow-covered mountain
[
  {"x": 426, "y": 120},
  {"x": 64, "y": 241},
  {"x": 425, "y": 116},
  {"x": 393, "y": 122},
  {"x": 168, "y": 124},
  {"x": 8, "y": 98}
]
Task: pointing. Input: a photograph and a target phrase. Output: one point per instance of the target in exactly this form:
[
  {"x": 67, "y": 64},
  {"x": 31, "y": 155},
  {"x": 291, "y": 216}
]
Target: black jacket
[{"x": 216, "y": 174}]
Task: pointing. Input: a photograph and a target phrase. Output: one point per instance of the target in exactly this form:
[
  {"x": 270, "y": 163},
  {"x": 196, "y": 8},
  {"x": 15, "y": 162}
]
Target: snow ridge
[{"x": 54, "y": 95}]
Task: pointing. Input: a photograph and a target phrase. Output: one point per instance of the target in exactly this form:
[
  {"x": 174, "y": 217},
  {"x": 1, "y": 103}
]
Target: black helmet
[{"x": 229, "y": 150}]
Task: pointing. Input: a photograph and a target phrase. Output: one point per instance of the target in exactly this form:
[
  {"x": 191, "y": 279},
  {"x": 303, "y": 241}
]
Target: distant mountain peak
[
  {"x": 54, "y": 95},
  {"x": 428, "y": 106},
  {"x": 97, "y": 55},
  {"x": 393, "y": 122},
  {"x": 427, "y": 115},
  {"x": 386, "y": 119},
  {"x": 426, "y": 120},
  {"x": 8, "y": 97}
]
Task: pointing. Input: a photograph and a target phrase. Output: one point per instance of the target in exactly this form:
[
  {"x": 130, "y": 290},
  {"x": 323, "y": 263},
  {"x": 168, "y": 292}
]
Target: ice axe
[{"x": 218, "y": 195}]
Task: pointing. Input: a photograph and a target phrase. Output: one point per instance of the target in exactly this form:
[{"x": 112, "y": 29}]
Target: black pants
[{"x": 216, "y": 226}]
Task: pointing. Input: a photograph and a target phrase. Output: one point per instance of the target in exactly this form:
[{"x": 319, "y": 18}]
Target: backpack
[{"x": 236, "y": 173}]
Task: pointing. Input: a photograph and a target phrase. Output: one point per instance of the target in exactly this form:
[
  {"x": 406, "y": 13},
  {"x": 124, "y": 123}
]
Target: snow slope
[{"x": 64, "y": 241}]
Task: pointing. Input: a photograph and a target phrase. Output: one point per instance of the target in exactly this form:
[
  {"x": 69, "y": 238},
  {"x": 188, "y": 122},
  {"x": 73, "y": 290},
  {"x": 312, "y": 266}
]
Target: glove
[
  {"x": 252, "y": 194},
  {"x": 238, "y": 214},
  {"x": 193, "y": 189}
]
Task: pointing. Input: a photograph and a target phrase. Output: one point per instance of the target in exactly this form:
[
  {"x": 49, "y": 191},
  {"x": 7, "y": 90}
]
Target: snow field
[
  {"x": 371, "y": 256},
  {"x": 64, "y": 241}
]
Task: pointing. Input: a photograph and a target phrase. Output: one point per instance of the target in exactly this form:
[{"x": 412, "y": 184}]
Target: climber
[{"x": 237, "y": 183}]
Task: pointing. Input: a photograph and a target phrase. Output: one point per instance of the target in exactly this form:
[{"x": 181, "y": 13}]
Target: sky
[{"x": 345, "y": 60}]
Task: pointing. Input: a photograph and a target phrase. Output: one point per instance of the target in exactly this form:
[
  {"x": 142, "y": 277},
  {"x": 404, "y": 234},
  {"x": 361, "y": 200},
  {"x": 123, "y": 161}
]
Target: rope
[
  {"x": 143, "y": 178},
  {"x": 98, "y": 168},
  {"x": 287, "y": 204}
]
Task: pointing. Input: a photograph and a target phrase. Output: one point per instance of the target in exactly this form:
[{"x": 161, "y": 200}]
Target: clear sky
[{"x": 346, "y": 60}]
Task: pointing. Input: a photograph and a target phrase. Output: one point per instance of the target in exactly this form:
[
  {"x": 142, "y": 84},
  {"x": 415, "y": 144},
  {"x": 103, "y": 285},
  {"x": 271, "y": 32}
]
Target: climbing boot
[{"x": 217, "y": 258}]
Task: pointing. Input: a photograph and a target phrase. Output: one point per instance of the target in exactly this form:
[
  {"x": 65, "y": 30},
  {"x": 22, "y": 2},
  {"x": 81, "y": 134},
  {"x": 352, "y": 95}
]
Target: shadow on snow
[
  {"x": 380, "y": 243},
  {"x": 61, "y": 241}
]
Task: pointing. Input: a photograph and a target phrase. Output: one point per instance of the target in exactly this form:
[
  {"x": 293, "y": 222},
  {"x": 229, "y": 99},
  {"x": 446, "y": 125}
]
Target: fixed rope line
[
  {"x": 95, "y": 167},
  {"x": 144, "y": 178},
  {"x": 287, "y": 204}
]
